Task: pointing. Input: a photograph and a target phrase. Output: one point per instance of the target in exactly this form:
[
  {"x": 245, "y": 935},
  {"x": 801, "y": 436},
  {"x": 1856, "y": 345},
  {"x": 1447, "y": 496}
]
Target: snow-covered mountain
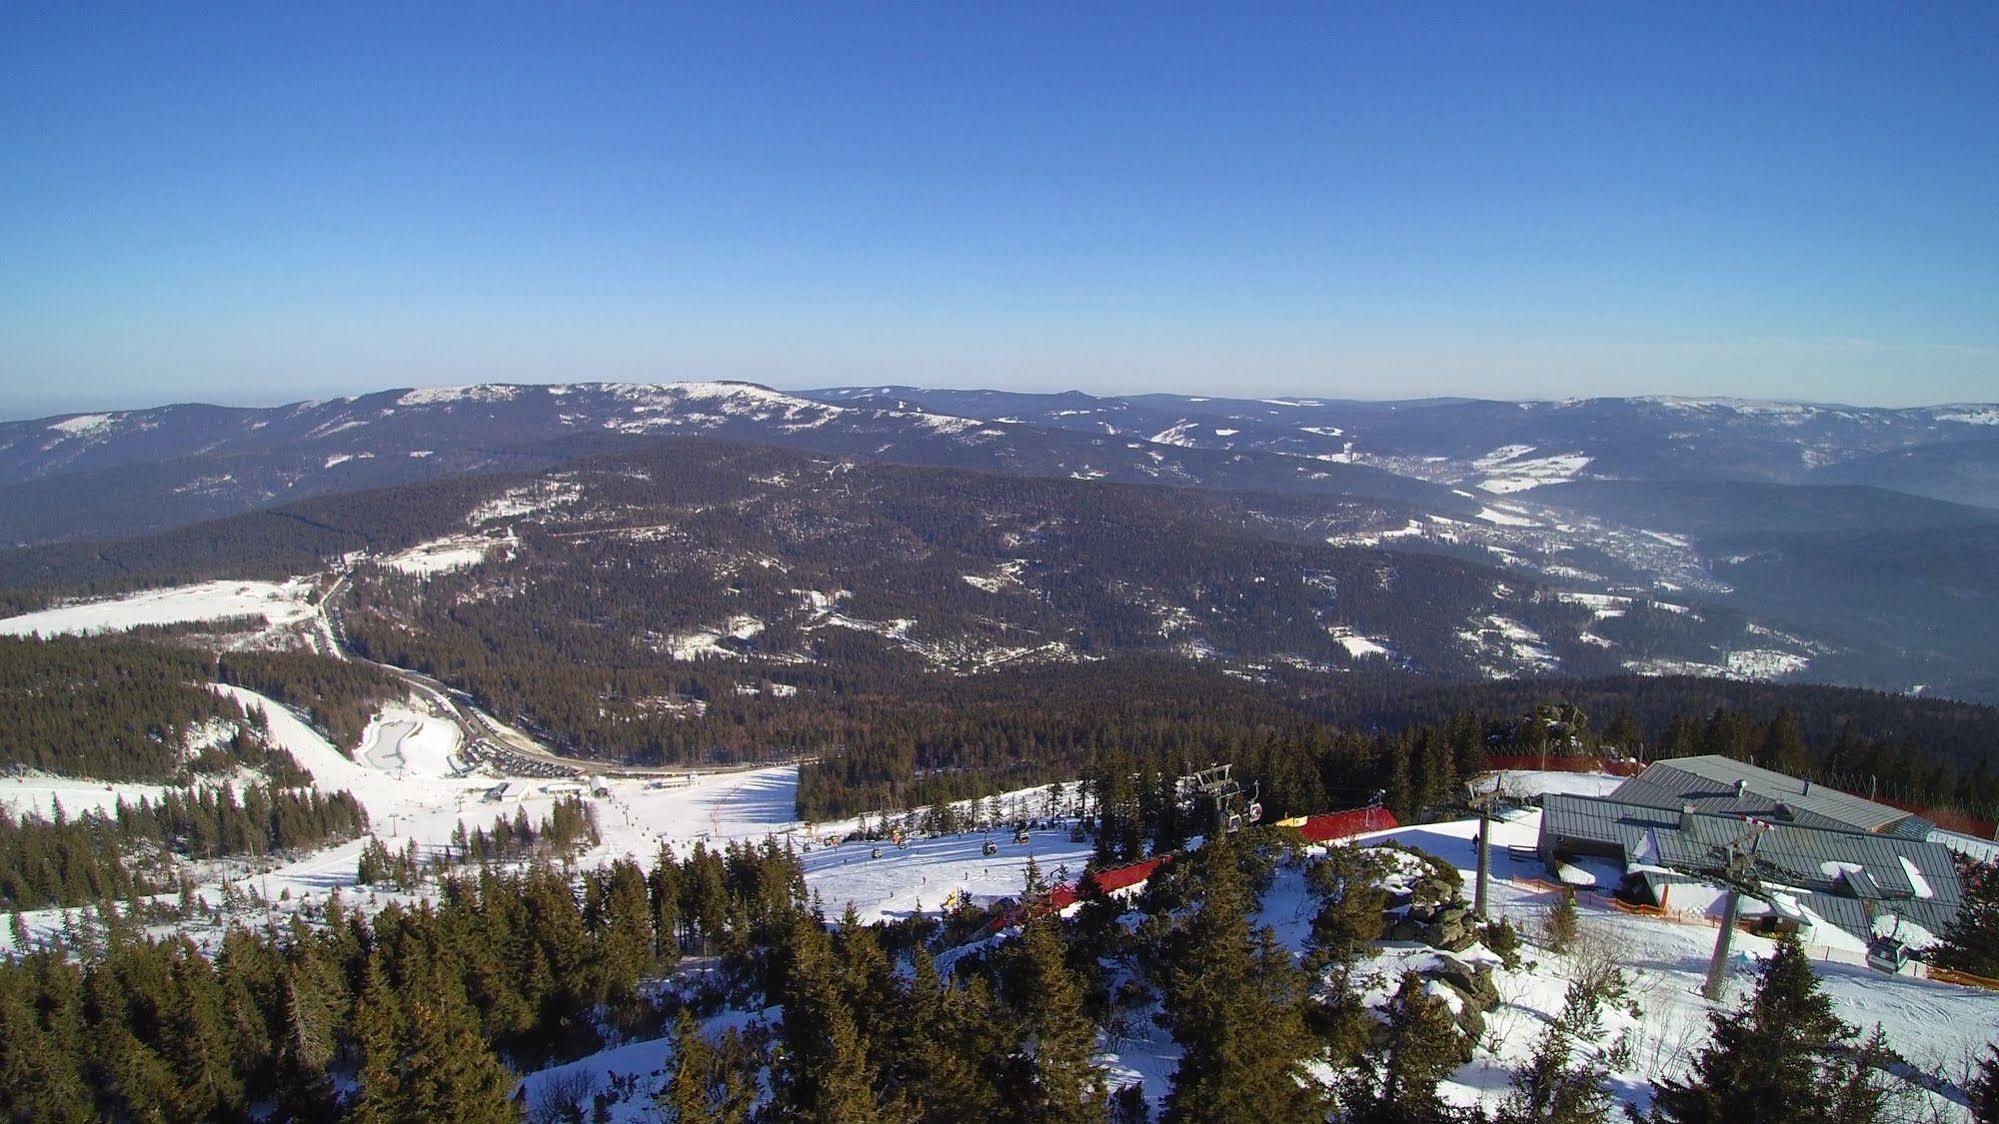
[
  {"x": 1784, "y": 539},
  {"x": 116, "y": 474},
  {"x": 1506, "y": 447}
]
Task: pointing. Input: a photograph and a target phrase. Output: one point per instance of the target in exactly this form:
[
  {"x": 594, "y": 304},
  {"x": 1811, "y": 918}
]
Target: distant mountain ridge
[
  {"x": 1708, "y": 536},
  {"x": 1475, "y": 440},
  {"x": 116, "y": 474}
]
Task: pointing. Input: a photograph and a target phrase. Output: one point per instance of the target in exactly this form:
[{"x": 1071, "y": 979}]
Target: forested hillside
[
  {"x": 297, "y": 538},
  {"x": 115, "y": 710},
  {"x": 643, "y": 607}
]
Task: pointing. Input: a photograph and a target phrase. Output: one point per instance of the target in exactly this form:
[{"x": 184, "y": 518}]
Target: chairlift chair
[{"x": 1889, "y": 953}]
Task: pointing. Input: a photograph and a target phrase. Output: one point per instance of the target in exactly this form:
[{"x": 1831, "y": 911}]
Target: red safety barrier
[
  {"x": 1108, "y": 879},
  {"x": 1339, "y": 825},
  {"x": 1316, "y": 829}
]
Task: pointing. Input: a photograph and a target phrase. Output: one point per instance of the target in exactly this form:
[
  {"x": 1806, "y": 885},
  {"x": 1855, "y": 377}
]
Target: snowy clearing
[
  {"x": 439, "y": 556},
  {"x": 1509, "y": 469},
  {"x": 409, "y": 778},
  {"x": 1357, "y": 646},
  {"x": 1504, "y": 518},
  {"x": 278, "y": 603}
]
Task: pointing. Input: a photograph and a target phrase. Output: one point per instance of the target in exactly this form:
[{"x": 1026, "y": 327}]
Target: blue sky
[{"x": 257, "y": 203}]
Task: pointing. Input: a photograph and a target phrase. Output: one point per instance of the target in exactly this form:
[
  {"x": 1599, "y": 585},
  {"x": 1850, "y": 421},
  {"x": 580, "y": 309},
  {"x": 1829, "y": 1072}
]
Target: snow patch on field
[
  {"x": 83, "y": 425},
  {"x": 1662, "y": 666},
  {"x": 1600, "y": 605},
  {"x": 1744, "y": 664},
  {"x": 1765, "y": 663},
  {"x": 406, "y": 775},
  {"x": 697, "y": 404},
  {"x": 276, "y": 602},
  {"x": 1541, "y": 782},
  {"x": 1504, "y": 518},
  {"x": 529, "y": 499},
  {"x": 707, "y": 642},
  {"x": 38, "y": 794},
  {"x": 1412, "y": 529},
  {"x": 443, "y": 555},
  {"x": 1513, "y": 645},
  {"x": 895, "y": 629},
  {"x": 1357, "y": 646},
  {"x": 1509, "y": 468},
  {"x": 1971, "y": 415},
  {"x": 948, "y": 423},
  {"x": 1004, "y": 575},
  {"x": 452, "y": 395}
]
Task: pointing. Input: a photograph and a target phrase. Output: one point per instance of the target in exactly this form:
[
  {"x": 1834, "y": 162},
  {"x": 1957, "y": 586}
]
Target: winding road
[{"x": 476, "y": 725}]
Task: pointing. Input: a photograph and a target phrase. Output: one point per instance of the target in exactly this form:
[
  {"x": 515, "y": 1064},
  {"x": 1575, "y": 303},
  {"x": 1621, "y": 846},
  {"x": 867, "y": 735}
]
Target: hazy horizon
[{"x": 254, "y": 402}]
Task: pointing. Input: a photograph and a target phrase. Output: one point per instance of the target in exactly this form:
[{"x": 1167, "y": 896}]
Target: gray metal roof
[
  {"x": 1709, "y": 783},
  {"x": 1847, "y": 864},
  {"x": 1914, "y": 827},
  {"x": 1855, "y": 915}
]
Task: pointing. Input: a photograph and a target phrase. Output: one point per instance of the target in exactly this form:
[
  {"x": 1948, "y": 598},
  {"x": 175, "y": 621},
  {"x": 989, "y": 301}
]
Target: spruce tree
[
  {"x": 1048, "y": 1077},
  {"x": 376, "y": 1029},
  {"x": 1236, "y": 1006},
  {"x": 196, "y": 1041},
  {"x": 1985, "y": 1089},
  {"x": 1971, "y": 944},
  {"x": 663, "y": 890},
  {"x": 1859, "y": 1092},
  {"x": 305, "y": 1093},
  {"x": 1783, "y": 749},
  {"x": 446, "y": 1074},
  {"x": 1349, "y": 920},
  {"x": 1560, "y": 928},
  {"x": 1398, "y": 1083},
  {"x": 686, "y": 1098},
  {"x": 1624, "y": 734},
  {"x": 821, "y": 1069},
  {"x": 1561, "y": 1083},
  {"x": 38, "y": 1081},
  {"x": 625, "y": 940},
  {"x": 1768, "y": 1059},
  {"x": 872, "y": 991},
  {"x": 941, "y": 1046}
]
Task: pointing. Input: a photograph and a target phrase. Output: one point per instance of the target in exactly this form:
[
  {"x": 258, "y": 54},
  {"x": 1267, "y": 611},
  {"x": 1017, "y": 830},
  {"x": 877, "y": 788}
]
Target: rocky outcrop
[
  {"x": 1472, "y": 984},
  {"x": 1448, "y": 925}
]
